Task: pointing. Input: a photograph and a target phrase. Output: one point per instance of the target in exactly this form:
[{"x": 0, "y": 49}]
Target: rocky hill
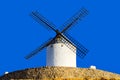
[{"x": 60, "y": 73}]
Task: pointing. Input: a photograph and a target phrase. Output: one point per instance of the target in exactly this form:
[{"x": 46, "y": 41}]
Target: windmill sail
[
  {"x": 81, "y": 50},
  {"x": 73, "y": 20},
  {"x": 65, "y": 38},
  {"x": 42, "y": 20},
  {"x": 36, "y": 51}
]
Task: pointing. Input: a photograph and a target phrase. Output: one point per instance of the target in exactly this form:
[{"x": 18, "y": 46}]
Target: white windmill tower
[{"x": 62, "y": 49}]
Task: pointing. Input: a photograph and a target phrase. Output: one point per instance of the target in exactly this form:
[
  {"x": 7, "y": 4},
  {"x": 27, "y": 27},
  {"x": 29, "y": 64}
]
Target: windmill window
[{"x": 61, "y": 45}]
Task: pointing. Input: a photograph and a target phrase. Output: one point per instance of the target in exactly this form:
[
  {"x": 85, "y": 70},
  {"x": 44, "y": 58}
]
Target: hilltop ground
[{"x": 60, "y": 73}]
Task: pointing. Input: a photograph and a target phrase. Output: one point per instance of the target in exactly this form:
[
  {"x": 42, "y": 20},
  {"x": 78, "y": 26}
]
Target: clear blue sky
[{"x": 20, "y": 34}]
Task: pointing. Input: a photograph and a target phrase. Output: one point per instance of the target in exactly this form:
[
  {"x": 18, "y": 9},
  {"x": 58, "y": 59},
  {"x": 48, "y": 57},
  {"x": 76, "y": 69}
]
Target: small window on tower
[{"x": 61, "y": 45}]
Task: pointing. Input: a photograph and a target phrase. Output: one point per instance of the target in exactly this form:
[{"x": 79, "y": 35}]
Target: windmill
[{"x": 62, "y": 49}]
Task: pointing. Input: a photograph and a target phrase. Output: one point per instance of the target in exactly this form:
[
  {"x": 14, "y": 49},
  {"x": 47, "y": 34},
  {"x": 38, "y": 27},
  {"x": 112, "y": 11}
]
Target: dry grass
[
  {"x": 60, "y": 73},
  {"x": 70, "y": 79}
]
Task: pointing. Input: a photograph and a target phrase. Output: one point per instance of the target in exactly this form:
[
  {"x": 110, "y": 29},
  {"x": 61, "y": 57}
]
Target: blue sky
[{"x": 20, "y": 34}]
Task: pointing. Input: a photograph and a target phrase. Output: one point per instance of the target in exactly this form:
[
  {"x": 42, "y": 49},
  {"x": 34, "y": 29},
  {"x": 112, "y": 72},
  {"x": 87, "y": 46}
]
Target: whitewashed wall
[{"x": 59, "y": 54}]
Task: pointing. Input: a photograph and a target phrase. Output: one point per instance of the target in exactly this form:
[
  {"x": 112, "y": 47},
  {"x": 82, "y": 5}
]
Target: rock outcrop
[{"x": 60, "y": 73}]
